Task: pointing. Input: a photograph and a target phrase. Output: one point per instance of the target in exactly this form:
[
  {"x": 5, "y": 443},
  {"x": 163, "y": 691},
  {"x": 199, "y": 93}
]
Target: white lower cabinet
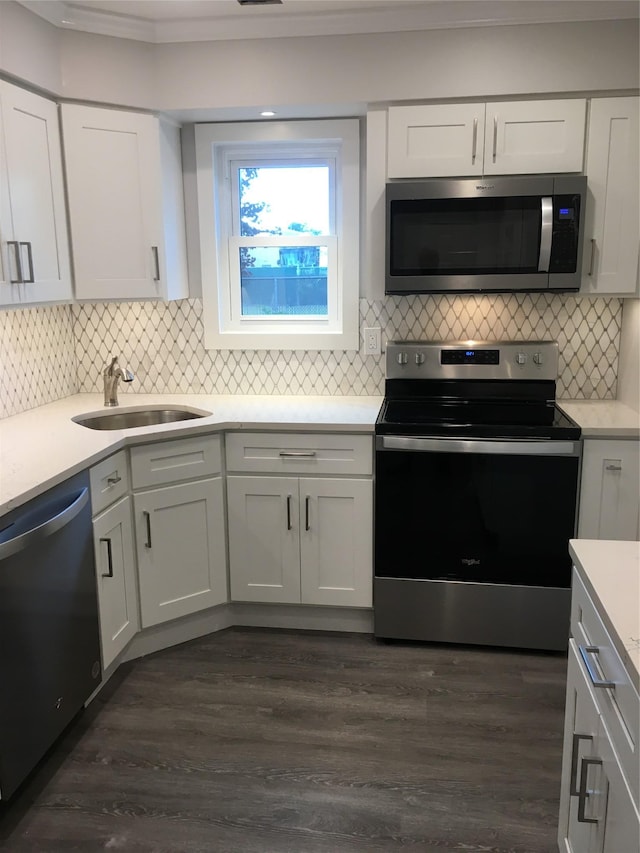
[
  {"x": 115, "y": 556},
  {"x": 306, "y": 540},
  {"x": 179, "y": 526},
  {"x": 600, "y": 785},
  {"x": 300, "y": 519},
  {"x": 116, "y": 579},
  {"x": 610, "y": 490},
  {"x": 181, "y": 551}
]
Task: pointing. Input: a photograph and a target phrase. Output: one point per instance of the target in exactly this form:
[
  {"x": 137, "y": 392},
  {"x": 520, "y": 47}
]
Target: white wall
[{"x": 321, "y": 72}]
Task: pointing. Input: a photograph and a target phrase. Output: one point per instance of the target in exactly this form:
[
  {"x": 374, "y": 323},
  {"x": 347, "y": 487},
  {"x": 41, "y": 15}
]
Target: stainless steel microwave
[{"x": 482, "y": 235}]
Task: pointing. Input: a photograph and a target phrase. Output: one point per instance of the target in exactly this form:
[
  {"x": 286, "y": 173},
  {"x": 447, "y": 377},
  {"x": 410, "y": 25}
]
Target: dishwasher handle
[{"x": 61, "y": 512}]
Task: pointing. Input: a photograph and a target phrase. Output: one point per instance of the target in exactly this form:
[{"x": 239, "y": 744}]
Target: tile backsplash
[{"x": 48, "y": 353}]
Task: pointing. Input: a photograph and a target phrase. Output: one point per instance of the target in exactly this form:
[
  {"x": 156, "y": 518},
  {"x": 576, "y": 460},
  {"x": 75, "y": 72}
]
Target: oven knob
[
  {"x": 538, "y": 358},
  {"x": 403, "y": 358},
  {"x": 419, "y": 358},
  {"x": 521, "y": 358}
]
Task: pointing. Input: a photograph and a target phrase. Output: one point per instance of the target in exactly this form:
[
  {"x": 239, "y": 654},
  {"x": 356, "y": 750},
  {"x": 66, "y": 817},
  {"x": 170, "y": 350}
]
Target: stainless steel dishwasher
[{"x": 49, "y": 636}]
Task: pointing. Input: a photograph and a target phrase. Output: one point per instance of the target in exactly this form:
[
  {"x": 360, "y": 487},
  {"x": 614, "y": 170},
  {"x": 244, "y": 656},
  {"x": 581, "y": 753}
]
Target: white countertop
[
  {"x": 611, "y": 573},
  {"x": 603, "y": 418},
  {"x": 42, "y": 447}
]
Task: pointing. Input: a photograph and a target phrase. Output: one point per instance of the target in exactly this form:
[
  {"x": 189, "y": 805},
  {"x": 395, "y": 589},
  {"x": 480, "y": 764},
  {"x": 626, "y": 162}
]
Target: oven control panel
[{"x": 472, "y": 360}]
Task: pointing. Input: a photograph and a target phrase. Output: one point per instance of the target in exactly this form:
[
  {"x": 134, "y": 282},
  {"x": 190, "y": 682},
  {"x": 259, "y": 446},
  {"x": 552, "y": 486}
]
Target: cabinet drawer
[
  {"x": 109, "y": 481},
  {"x": 299, "y": 453},
  {"x": 619, "y": 705},
  {"x": 172, "y": 461}
]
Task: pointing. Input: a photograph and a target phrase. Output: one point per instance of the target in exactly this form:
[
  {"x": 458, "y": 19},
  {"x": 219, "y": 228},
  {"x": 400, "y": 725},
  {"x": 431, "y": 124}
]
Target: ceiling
[{"x": 161, "y": 21}]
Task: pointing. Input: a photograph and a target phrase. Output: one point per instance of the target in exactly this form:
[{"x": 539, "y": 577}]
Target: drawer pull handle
[
  {"x": 583, "y": 794},
  {"x": 298, "y": 454},
  {"x": 585, "y": 651},
  {"x": 147, "y": 516},
  {"x": 613, "y": 467},
  {"x": 111, "y": 481},
  {"x": 573, "y": 783},
  {"x": 288, "y": 512},
  {"x": 109, "y": 572}
]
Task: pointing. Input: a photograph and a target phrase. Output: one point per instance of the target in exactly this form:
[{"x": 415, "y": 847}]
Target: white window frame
[{"x": 224, "y": 326}]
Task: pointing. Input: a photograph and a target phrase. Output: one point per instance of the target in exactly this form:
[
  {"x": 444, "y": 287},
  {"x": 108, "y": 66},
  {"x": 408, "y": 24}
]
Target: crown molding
[{"x": 405, "y": 17}]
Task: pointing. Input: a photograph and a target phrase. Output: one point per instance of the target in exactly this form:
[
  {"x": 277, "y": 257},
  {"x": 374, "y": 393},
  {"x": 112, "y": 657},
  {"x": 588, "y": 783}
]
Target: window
[{"x": 279, "y": 234}]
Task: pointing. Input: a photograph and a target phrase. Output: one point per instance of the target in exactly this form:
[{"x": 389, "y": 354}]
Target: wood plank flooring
[{"x": 257, "y": 741}]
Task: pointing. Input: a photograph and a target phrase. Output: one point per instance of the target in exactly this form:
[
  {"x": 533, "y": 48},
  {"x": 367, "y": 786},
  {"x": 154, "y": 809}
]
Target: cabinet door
[
  {"x": 336, "y": 524},
  {"x": 581, "y": 728},
  {"x": 181, "y": 550},
  {"x": 435, "y": 141},
  {"x": 116, "y": 579},
  {"x": 618, "y": 830},
  {"x": 609, "y": 490},
  {"x": 523, "y": 137},
  {"x": 39, "y": 255},
  {"x": 612, "y": 226},
  {"x": 264, "y": 539},
  {"x": 112, "y": 160}
]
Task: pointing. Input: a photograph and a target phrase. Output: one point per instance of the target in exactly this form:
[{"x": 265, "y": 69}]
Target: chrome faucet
[{"x": 111, "y": 375}]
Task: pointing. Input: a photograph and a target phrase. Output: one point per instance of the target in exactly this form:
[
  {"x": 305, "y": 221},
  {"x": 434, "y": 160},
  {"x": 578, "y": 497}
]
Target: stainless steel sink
[{"x": 139, "y": 417}]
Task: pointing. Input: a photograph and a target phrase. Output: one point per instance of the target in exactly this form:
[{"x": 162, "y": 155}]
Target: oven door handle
[{"x": 462, "y": 445}]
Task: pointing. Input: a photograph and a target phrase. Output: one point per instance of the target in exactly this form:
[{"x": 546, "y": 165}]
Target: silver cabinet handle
[
  {"x": 18, "y": 260},
  {"x": 147, "y": 516},
  {"x": 298, "y": 454},
  {"x": 288, "y": 512},
  {"x": 585, "y": 651},
  {"x": 156, "y": 261},
  {"x": 583, "y": 794},
  {"x": 474, "y": 143},
  {"x": 109, "y": 573},
  {"x": 546, "y": 233},
  {"x": 307, "y": 501},
  {"x": 111, "y": 481},
  {"x": 613, "y": 467},
  {"x": 42, "y": 529},
  {"x": 495, "y": 137},
  {"x": 31, "y": 279},
  {"x": 593, "y": 255},
  {"x": 573, "y": 782}
]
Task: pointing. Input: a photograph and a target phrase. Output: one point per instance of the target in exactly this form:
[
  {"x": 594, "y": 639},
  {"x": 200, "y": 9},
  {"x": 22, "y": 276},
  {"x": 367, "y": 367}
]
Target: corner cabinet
[
  {"x": 126, "y": 205},
  {"x": 179, "y": 525},
  {"x": 296, "y": 538},
  {"x": 114, "y": 555},
  {"x": 34, "y": 244},
  {"x": 610, "y": 489},
  {"x": 600, "y": 784},
  {"x": 498, "y": 138},
  {"x": 612, "y": 225}
]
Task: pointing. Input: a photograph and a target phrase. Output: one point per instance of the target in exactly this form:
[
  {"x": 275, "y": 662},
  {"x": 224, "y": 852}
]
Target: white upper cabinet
[
  {"x": 435, "y": 141},
  {"x": 34, "y": 243},
  {"x": 612, "y": 226},
  {"x": 126, "y": 206},
  {"x": 501, "y": 138}
]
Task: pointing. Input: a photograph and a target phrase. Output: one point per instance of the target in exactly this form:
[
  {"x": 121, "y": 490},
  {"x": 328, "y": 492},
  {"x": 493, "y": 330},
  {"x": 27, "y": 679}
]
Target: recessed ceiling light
[
  {"x": 267, "y": 113},
  {"x": 260, "y": 2}
]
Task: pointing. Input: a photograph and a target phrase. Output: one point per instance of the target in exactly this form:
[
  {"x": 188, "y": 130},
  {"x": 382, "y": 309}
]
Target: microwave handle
[{"x": 546, "y": 233}]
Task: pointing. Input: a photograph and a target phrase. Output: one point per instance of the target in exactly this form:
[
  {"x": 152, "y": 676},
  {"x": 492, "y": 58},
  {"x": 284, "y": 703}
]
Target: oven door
[{"x": 480, "y": 511}]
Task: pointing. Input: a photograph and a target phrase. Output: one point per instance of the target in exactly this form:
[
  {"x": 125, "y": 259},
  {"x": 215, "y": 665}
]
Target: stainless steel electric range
[{"x": 476, "y": 484}]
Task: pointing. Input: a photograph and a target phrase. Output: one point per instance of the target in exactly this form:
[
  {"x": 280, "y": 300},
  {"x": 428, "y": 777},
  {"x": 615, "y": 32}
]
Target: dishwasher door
[{"x": 49, "y": 635}]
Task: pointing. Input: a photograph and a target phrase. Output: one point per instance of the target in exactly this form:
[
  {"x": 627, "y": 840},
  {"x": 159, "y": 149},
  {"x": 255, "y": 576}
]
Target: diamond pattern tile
[{"x": 51, "y": 352}]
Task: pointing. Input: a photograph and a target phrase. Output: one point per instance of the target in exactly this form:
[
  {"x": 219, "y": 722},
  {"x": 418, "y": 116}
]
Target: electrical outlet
[{"x": 372, "y": 340}]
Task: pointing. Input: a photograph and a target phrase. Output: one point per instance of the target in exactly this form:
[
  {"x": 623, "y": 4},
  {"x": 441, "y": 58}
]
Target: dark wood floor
[{"x": 255, "y": 741}]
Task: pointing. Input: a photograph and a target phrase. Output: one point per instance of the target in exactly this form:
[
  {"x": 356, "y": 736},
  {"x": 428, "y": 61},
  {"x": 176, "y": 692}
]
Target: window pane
[
  {"x": 284, "y": 200},
  {"x": 281, "y": 281}
]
